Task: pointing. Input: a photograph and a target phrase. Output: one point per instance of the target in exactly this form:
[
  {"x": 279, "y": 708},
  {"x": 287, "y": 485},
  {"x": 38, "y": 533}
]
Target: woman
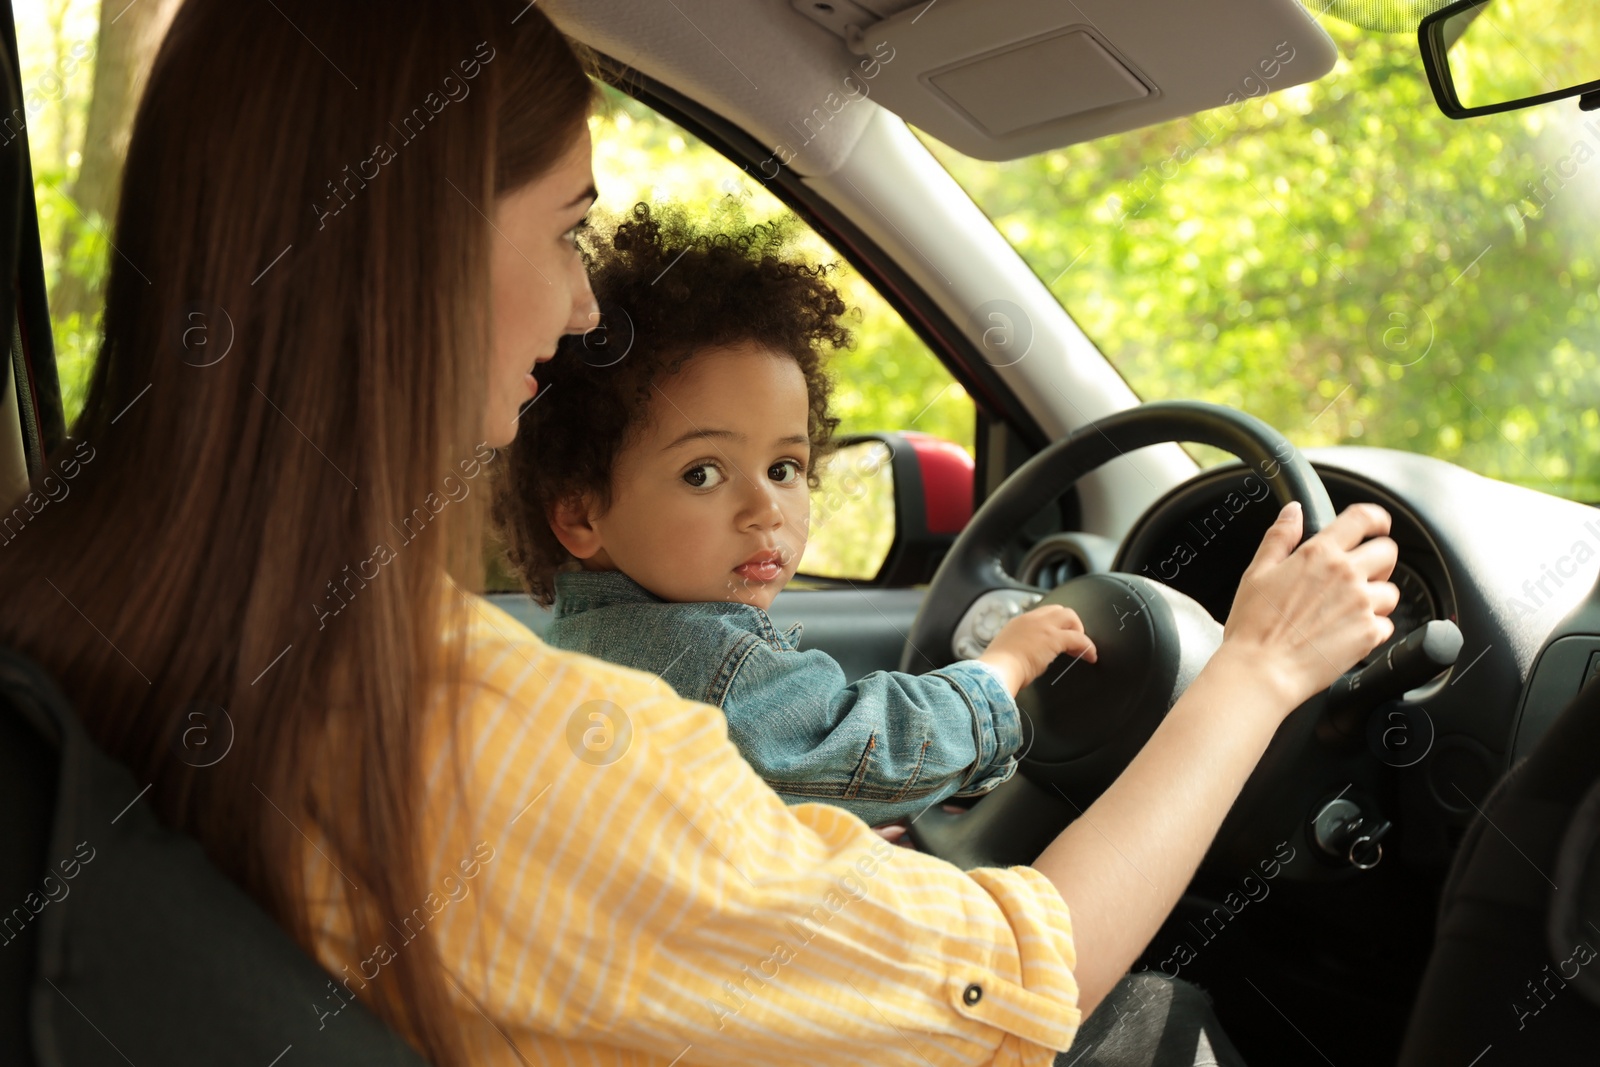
[{"x": 345, "y": 238}]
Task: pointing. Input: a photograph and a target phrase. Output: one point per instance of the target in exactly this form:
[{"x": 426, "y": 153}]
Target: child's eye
[
  {"x": 704, "y": 476},
  {"x": 572, "y": 235},
  {"x": 786, "y": 471}
]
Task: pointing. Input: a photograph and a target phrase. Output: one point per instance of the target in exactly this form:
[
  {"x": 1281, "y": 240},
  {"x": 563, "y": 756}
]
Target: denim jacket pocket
[
  {"x": 866, "y": 786},
  {"x": 716, "y": 690},
  {"x": 867, "y": 791},
  {"x": 869, "y": 785},
  {"x": 863, "y": 768}
]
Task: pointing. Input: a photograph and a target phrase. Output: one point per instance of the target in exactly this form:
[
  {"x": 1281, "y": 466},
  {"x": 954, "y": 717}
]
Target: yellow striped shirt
[{"x": 615, "y": 885}]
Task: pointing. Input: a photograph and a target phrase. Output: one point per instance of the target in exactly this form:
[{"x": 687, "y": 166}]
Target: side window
[
  {"x": 888, "y": 381},
  {"x": 80, "y": 82}
]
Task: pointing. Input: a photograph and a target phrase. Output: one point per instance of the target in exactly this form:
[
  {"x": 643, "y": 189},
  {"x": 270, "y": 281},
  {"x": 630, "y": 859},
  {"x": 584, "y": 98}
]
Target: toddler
[{"x": 659, "y": 494}]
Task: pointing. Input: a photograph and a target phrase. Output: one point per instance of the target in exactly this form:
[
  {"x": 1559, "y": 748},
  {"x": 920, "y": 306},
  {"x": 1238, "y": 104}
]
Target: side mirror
[
  {"x": 1487, "y": 56},
  {"x": 889, "y": 507}
]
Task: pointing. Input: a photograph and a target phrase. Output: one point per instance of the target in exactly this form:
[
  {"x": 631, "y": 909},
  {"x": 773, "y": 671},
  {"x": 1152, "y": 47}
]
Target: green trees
[
  {"x": 83, "y": 65},
  {"x": 888, "y": 380},
  {"x": 1343, "y": 261},
  {"x": 1337, "y": 258}
]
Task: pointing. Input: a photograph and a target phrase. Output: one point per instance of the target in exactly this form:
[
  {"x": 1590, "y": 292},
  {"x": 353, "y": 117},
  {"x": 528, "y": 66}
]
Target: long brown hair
[{"x": 295, "y": 349}]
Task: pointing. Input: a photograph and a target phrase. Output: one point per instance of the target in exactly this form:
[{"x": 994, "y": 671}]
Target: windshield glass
[{"x": 1341, "y": 260}]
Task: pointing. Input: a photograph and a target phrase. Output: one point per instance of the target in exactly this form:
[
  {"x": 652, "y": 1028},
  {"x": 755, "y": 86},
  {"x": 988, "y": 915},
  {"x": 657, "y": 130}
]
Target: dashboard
[
  {"x": 1202, "y": 537},
  {"x": 1511, "y": 566}
]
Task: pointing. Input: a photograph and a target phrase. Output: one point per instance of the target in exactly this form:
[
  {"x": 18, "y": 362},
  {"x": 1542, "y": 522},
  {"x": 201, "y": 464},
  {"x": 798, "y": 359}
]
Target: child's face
[{"x": 709, "y": 500}]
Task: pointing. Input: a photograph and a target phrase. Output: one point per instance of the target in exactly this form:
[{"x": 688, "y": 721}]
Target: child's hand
[{"x": 1029, "y": 643}]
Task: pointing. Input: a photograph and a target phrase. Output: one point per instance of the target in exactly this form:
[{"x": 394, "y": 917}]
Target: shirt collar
[{"x": 585, "y": 590}]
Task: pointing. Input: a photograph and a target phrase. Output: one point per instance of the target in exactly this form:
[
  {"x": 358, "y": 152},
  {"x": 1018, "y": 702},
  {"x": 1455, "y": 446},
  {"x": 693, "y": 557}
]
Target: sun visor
[{"x": 1003, "y": 79}]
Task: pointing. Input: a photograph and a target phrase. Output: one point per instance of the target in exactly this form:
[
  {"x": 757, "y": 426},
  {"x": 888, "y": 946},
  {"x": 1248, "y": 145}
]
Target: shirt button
[{"x": 973, "y": 994}]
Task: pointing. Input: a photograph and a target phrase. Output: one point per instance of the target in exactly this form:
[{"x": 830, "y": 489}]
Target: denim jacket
[{"x": 886, "y": 746}]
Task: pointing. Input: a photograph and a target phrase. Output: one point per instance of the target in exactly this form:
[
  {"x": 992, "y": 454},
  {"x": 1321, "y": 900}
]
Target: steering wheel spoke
[{"x": 987, "y": 615}]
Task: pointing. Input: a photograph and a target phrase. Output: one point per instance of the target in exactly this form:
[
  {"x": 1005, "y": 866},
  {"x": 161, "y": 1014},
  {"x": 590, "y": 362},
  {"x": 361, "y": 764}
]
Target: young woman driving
[{"x": 343, "y": 244}]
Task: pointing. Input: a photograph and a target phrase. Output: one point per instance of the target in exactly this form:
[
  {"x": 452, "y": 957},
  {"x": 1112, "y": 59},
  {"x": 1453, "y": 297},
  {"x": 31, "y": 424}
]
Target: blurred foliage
[
  {"x": 1341, "y": 260},
  {"x": 852, "y": 514},
  {"x": 55, "y": 42},
  {"x": 888, "y": 380}
]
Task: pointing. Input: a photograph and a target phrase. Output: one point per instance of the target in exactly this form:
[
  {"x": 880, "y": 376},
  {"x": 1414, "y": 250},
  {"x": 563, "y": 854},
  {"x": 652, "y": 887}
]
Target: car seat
[
  {"x": 1514, "y": 977},
  {"x": 123, "y": 943}
]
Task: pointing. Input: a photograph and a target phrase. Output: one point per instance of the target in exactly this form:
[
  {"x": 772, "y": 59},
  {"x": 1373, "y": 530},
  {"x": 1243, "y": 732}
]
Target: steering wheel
[{"x": 1083, "y": 723}]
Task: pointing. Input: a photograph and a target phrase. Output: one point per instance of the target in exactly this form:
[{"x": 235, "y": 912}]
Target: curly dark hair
[{"x": 667, "y": 289}]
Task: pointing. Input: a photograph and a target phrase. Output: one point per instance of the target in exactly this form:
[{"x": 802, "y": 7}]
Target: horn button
[{"x": 1085, "y": 721}]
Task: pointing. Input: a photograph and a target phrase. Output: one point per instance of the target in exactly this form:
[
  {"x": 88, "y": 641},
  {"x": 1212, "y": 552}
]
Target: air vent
[
  {"x": 1053, "y": 569},
  {"x": 1059, "y": 558}
]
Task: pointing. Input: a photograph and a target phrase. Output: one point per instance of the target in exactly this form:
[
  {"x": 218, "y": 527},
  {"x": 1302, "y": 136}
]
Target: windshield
[{"x": 1341, "y": 260}]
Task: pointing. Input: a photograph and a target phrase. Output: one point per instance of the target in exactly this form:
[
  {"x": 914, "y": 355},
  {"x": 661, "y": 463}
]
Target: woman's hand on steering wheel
[{"x": 1303, "y": 616}]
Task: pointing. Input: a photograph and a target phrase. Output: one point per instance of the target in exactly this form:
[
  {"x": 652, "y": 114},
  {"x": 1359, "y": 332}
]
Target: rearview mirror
[{"x": 1485, "y": 56}]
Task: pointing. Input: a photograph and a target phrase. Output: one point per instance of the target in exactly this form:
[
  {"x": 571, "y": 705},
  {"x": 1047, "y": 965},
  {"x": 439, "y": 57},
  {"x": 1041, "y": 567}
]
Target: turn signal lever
[{"x": 1423, "y": 654}]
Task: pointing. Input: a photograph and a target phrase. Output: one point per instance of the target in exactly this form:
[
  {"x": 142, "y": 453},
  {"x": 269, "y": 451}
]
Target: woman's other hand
[{"x": 1303, "y": 616}]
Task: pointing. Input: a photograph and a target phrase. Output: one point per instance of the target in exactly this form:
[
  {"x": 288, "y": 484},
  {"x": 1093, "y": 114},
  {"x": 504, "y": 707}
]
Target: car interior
[{"x": 1353, "y": 908}]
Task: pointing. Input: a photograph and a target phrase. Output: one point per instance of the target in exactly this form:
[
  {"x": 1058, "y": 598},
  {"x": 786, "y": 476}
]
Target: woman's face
[{"x": 537, "y": 281}]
